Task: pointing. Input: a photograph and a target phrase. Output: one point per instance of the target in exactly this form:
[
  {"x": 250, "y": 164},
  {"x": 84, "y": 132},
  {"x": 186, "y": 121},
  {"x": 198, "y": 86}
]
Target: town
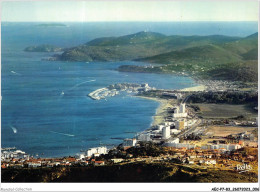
[{"x": 179, "y": 136}]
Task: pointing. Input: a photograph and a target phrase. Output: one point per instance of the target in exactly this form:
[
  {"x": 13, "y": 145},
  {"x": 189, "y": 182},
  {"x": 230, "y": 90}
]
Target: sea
[{"x": 45, "y": 110}]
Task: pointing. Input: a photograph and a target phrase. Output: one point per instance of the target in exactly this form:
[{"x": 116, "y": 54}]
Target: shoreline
[
  {"x": 159, "y": 115},
  {"x": 195, "y": 88}
]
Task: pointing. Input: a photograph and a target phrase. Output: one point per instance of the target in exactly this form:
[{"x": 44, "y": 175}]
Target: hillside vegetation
[
  {"x": 136, "y": 46},
  {"x": 212, "y": 57},
  {"x": 131, "y": 172}
]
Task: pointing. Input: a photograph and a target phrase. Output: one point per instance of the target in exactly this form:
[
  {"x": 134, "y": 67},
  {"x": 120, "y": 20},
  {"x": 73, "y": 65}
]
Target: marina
[{"x": 115, "y": 89}]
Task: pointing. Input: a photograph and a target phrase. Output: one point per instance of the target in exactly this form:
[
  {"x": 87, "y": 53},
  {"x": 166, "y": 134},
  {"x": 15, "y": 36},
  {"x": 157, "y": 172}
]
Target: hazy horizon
[{"x": 130, "y": 11}]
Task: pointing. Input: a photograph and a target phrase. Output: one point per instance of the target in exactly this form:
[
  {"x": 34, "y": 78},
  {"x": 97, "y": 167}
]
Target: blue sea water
[{"x": 49, "y": 123}]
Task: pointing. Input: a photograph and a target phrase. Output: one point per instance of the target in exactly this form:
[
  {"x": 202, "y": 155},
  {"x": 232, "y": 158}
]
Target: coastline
[
  {"x": 161, "y": 112},
  {"x": 195, "y": 88}
]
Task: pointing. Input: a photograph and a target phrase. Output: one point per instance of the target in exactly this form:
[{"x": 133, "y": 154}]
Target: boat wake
[
  {"x": 14, "y": 129},
  {"x": 69, "y": 135},
  {"x": 62, "y": 93},
  {"x": 15, "y": 73},
  {"x": 81, "y": 84}
]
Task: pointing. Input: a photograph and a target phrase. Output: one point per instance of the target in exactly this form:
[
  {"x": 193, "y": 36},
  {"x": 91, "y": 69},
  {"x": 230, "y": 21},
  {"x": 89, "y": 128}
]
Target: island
[{"x": 52, "y": 25}]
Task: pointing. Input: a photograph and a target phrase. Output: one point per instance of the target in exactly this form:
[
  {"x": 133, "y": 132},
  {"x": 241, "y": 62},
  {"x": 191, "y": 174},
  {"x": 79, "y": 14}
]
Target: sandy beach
[
  {"x": 161, "y": 111},
  {"x": 196, "y": 88}
]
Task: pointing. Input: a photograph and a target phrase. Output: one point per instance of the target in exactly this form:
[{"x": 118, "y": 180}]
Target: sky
[{"x": 134, "y": 10}]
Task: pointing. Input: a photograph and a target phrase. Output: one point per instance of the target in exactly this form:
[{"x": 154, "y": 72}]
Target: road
[{"x": 191, "y": 129}]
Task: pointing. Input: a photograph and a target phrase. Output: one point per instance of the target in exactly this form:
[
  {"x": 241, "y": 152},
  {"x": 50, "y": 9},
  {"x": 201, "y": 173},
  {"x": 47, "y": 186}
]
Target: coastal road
[{"x": 186, "y": 99}]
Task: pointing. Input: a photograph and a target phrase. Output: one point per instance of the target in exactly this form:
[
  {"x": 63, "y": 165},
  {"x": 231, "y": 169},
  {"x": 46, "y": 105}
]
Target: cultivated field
[
  {"x": 223, "y": 131},
  {"x": 225, "y": 111}
]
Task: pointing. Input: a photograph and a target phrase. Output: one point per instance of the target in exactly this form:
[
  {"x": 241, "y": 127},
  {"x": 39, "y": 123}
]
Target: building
[
  {"x": 119, "y": 160},
  {"x": 144, "y": 137},
  {"x": 160, "y": 127},
  {"x": 96, "y": 151},
  {"x": 180, "y": 145},
  {"x": 182, "y": 108},
  {"x": 180, "y": 112},
  {"x": 129, "y": 142},
  {"x": 175, "y": 131},
  {"x": 228, "y": 147},
  {"x": 175, "y": 140},
  {"x": 166, "y": 133},
  {"x": 18, "y": 154},
  {"x": 168, "y": 123}
]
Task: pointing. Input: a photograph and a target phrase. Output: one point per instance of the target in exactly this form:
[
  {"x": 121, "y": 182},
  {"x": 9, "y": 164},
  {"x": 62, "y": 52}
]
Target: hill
[
  {"x": 136, "y": 46},
  {"x": 235, "y": 60},
  {"x": 130, "y": 172},
  {"x": 212, "y": 57}
]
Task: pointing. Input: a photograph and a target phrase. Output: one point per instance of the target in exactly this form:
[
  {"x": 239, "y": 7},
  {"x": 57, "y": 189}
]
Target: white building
[
  {"x": 180, "y": 111},
  {"x": 182, "y": 108},
  {"x": 167, "y": 123},
  {"x": 18, "y": 154},
  {"x": 96, "y": 151},
  {"x": 166, "y": 132},
  {"x": 118, "y": 160},
  {"x": 34, "y": 164},
  {"x": 175, "y": 131},
  {"x": 80, "y": 156},
  {"x": 180, "y": 145},
  {"x": 129, "y": 142},
  {"x": 175, "y": 140},
  {"x": 160, "y": 127},
  {"x": 144, "y": 137},
  {"x": 228, "y": 147}
]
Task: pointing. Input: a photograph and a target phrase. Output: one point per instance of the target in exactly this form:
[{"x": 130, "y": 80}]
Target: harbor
[{"x": 115, "y": 89}]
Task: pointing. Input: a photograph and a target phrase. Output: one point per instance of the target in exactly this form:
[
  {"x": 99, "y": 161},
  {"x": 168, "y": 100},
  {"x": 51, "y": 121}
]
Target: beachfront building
[
  {"x": 166, "y": 132},
  {"x": 96, "y": 151},
  {"x": 18, "y": 154},
  {"x": 180, "y": 111}
]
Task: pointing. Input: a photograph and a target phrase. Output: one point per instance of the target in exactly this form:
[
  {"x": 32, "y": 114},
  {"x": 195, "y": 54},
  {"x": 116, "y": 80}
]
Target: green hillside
[
  {"x": 136, "y": 46},
  {"x": 207, "y": 54},
  {"x": 235, "y": 60},
  {"x": 214, "y": 56}
]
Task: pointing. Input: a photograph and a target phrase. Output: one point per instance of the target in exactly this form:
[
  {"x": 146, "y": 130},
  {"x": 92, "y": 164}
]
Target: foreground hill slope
[{"x": 137, "y": 172}]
